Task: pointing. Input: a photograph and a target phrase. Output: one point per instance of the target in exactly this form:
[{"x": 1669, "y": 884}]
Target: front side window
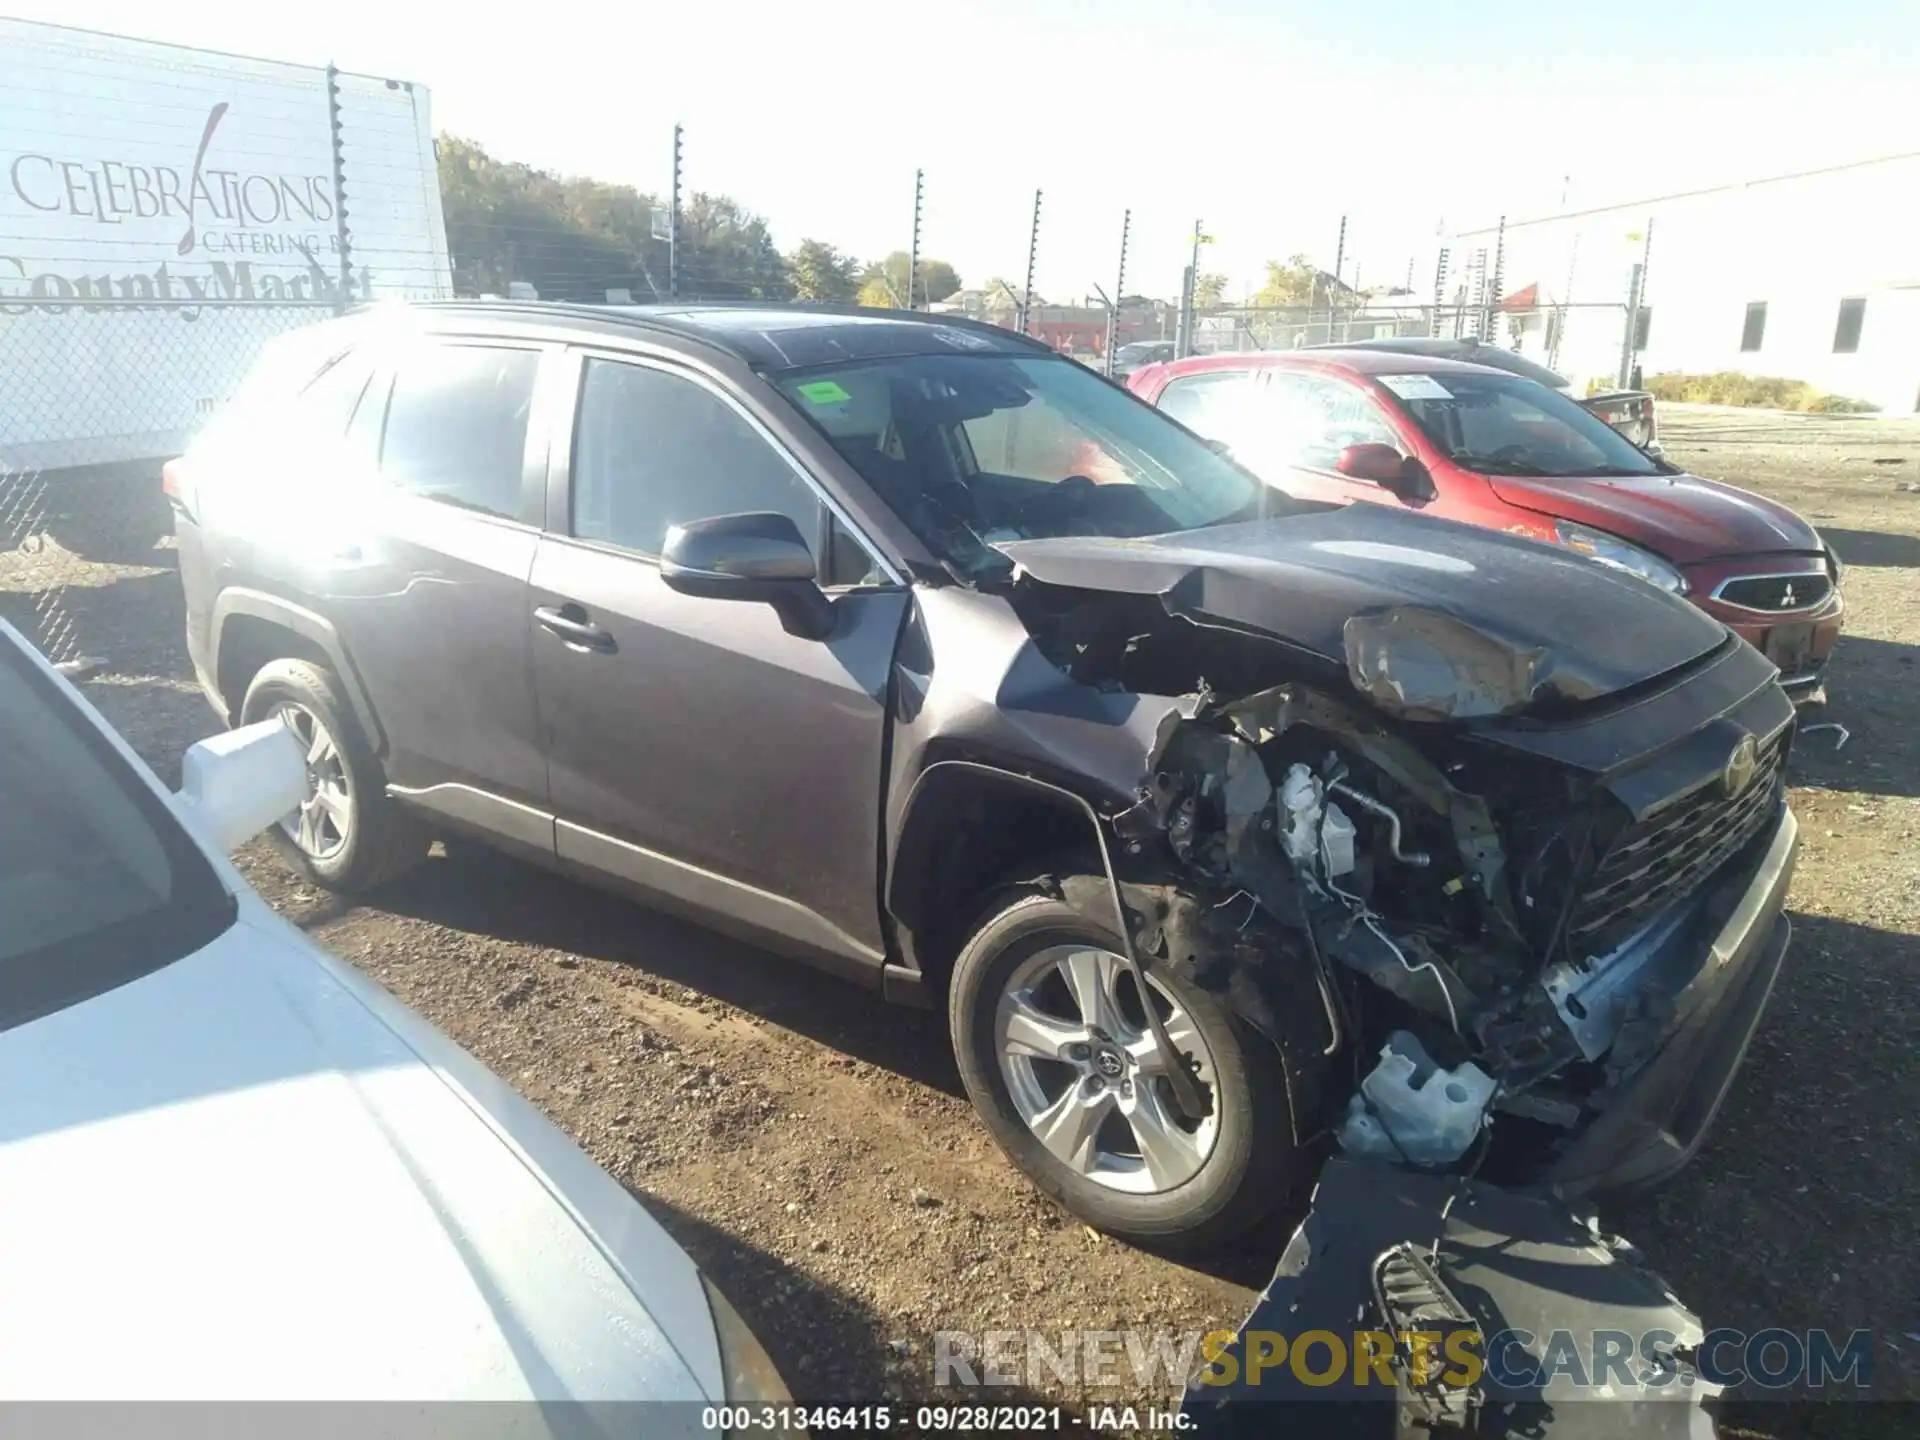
[
  {"x": 974, "y": 450},
  {"x": 1509, "y": 425},
  {"x": 652, "y": 450},
  {"x": 456, "y": 426},
  {"x": 99, "y": 884}
]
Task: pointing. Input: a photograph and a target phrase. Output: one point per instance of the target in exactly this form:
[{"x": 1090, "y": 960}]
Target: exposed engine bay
[{"x": 1480, "y": 946}]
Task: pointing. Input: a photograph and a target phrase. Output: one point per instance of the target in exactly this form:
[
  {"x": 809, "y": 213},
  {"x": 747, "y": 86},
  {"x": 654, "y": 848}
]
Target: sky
[{"x": 1268, "y": 122}]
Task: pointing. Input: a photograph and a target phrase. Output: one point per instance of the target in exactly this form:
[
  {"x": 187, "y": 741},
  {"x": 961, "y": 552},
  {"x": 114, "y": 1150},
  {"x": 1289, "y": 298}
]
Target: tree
[
  {"x": 1209, "y": 290},
  {"x": 821, "y": 272},
  {"x": 574, "y": 238},
  {"x": 1297, "y": 282},
  {"x": 886, "y": 281}
]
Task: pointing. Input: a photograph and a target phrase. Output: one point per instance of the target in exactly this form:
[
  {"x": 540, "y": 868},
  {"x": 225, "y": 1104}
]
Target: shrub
[{"x": 1768, "y": 392}]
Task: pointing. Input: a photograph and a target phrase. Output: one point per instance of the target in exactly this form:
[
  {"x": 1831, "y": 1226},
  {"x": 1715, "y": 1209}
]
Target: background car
[
  {"x": 1631, "y": 412},
  {"x": 237, "y": 1169},
  {"x": 1492, "y": 448},
  {"x": 1131, "y": 357}
]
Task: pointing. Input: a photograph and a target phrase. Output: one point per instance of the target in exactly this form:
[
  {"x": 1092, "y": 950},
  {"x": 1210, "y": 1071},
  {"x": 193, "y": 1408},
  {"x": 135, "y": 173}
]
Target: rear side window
[
  {"x": 457, "y": 425},
  {"x": 654, "y": 450},
  {"x": 1213, "y": 405}
]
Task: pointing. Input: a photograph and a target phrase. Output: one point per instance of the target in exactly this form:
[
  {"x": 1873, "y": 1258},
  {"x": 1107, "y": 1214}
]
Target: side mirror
[
  {"x": 235, "y": 785},
  {"x": 759, "y": 556},
  {"x": 1386, "y": 467}
]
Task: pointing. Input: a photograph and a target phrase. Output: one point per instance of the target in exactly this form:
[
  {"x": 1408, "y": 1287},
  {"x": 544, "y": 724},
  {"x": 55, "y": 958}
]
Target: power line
[{"x": 1693, "y": 194}]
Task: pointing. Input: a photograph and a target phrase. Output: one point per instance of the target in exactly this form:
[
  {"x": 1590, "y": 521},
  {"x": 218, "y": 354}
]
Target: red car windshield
[{"x": 1507, "y": 425}]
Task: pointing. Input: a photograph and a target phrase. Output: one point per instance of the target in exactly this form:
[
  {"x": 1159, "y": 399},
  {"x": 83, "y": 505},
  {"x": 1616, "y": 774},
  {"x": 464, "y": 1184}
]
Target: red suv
[{"x": 1491, "y": 448}]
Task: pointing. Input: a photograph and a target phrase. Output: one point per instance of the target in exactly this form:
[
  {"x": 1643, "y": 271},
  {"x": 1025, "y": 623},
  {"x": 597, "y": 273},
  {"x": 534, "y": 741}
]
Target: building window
[
  {"x": 1755, "y": 330},
  {"x": 1846, "y": 334}
]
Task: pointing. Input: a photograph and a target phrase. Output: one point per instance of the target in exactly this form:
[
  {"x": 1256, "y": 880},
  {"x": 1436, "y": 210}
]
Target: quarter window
[{"x": 457, "y": 425}]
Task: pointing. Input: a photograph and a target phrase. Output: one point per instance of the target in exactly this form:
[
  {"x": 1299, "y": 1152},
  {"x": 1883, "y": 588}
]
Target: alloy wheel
[
  {"x": 1084, "y": 1072},
  {"x": 323, "y": 824}
]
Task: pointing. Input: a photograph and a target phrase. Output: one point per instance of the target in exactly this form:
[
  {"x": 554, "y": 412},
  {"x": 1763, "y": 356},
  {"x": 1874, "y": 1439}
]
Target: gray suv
[{"x": 1222, "y": 825}]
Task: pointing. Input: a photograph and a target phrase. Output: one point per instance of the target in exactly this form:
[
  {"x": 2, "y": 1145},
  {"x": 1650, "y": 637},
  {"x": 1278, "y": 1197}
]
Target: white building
[{"x": 1812, "y": 277}]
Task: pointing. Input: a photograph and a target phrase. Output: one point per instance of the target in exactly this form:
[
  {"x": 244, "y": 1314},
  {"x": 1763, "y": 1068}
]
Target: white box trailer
[{"x": 164, "y": 211}]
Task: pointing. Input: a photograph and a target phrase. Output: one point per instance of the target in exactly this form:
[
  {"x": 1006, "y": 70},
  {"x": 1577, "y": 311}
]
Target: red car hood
[{"x": 1682, "y": 517}]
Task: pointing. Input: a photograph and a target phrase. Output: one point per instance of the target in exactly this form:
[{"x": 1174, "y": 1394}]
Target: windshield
[
  {"x": 98, "y": 882},
  {"x": 1507, "y": 425},
  {"x": 975, "y": 450}
]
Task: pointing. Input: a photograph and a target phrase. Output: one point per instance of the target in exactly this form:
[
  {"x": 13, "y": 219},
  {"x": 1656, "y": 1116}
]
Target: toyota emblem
[{"x": 1741, "y": 764}]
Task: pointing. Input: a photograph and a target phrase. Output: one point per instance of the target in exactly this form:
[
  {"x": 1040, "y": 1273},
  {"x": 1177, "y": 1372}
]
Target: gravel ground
[{"x": 812, "y": 1148}]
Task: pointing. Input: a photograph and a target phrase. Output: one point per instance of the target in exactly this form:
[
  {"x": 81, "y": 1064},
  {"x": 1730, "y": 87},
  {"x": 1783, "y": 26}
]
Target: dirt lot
[{"x": 811, "y": 1147}]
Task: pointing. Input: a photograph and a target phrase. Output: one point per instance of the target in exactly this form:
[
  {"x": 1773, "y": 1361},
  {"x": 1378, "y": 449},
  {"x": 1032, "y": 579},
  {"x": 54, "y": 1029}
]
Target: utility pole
[
  {"x": 1189, "y": 291},
  {"x": 913, "y": 255},
  {"x": 1033, "y": 254},
  {"x": 673, "y": 224},
  {"x": 1490, "y": 299},
  {"x": 1439, "y": 290},
  {"x": 1636, "y": 299},
  {"x": 1119, "y": 291}
]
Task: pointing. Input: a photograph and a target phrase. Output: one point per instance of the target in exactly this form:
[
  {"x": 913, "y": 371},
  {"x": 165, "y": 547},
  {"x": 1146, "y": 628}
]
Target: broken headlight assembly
[
  {"x": 1425, "y": 664},
  {"x": 1620, "y": 555}
]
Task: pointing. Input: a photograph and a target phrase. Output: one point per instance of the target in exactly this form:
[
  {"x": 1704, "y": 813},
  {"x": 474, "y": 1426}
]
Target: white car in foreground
[{"x": 232, "y": 1168}]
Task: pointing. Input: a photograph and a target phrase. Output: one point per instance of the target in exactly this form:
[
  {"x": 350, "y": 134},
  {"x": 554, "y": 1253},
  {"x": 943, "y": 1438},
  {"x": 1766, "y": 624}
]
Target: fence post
[
  {"x": 913, "y": 254},
  {"x": 1033, "y": 254},
  {"x": 345, "y": 300},
  {"x": 1119, "y": 292},
  {"x": 673, "y": 224}
]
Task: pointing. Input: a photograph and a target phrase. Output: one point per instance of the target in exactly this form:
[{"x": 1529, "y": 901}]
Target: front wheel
[{"x": 1050, "y": 1030}]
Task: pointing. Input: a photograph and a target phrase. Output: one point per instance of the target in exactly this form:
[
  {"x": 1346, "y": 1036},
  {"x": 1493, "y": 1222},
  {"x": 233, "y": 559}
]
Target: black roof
[
  {"x": 1465, "y": 348},
  {"x": 785, "y": 337}
]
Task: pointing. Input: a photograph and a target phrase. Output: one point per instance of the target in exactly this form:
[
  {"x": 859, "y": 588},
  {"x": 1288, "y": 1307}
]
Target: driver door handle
[{"x": 571, "y": 624}]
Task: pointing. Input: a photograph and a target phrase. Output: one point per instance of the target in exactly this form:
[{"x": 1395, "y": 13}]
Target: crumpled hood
[
  {"x": 1683, "y": 517},
  {"x": 1300, "y": 578},
  {"x": 234, "y": 1179}
]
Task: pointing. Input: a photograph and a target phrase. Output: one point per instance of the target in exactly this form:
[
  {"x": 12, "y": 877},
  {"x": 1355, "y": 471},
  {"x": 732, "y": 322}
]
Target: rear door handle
[{"x": 571, "y": 624}]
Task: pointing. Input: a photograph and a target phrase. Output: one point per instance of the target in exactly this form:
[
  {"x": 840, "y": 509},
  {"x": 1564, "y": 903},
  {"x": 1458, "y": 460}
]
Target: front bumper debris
[
  {"x": 1523, "y": 1303},
  {"x": 1659, "y": 1116}
]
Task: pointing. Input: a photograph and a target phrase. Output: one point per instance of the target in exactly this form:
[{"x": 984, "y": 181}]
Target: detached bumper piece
[{"x": 1454, "y": 1308}]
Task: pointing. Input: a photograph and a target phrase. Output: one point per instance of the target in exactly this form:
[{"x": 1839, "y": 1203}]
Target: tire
[
  {"x": 1242, "y": 1157},
  {"x": 377, "y": 841}
]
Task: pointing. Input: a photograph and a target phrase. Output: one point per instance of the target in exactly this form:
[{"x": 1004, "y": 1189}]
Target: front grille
[
  {"x": 1776, "y": 594},
  {"x": 1653, "y": 863}
]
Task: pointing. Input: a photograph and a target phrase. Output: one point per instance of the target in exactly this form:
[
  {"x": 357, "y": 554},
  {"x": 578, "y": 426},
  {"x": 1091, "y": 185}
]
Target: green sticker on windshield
[{"x": 823, "y": 392}]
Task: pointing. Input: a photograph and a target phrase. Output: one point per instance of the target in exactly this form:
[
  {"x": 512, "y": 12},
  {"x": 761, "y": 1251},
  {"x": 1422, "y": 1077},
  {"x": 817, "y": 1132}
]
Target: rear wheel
[
  {"x": 1054, "y": 1046},
  {"x": 348, "y": 834}
]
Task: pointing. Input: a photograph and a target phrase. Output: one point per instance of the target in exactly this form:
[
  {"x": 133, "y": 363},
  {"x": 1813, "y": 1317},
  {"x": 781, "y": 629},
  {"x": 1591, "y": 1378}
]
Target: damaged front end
[
  {"x": 1492, "y": 845},
  {"x": 1502, "y": 948}
]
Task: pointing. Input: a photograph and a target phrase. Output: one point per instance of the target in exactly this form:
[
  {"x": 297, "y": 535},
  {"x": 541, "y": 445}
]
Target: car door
[
  {"x": 427, "y": 585},
  {"x": 696, "y": 751}
]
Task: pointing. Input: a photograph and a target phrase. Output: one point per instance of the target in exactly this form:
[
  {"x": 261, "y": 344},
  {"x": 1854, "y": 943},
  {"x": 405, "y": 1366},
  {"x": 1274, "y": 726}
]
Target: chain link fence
[{"x": 98, "y": 396}]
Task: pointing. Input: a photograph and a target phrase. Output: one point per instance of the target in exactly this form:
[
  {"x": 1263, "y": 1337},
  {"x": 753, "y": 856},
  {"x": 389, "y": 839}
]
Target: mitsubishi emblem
[{"x": 1787, "y": 598}]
